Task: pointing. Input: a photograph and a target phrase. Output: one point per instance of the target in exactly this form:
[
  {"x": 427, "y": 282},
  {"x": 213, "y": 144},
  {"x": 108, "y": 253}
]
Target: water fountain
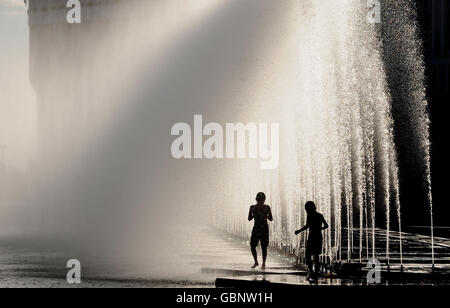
[
  {"x": 317, "y": 67},
  {"x": 337, "y": 132}
]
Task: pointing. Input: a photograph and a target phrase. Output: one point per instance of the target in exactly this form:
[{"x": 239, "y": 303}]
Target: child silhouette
[{"x": 315, "y": 223}]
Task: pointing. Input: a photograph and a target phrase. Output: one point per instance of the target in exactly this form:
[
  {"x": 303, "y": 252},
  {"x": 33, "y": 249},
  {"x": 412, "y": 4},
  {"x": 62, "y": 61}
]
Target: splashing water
[
  {"x": 337, "y": 139},
  {"x": 317, "y": 67}
]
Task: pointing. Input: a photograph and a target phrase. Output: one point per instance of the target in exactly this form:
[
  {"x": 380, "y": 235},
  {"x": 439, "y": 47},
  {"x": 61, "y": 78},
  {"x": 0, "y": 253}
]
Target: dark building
[{"x": 435, "y": 31}]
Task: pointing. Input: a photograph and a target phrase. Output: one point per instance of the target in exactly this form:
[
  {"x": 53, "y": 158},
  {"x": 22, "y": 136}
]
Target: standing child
[
  {"x": 260, "y": 213},
  {"x": 315, "y": 223}
]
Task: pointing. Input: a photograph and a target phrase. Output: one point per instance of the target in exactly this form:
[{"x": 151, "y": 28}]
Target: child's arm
[
  {"x": 305, "y": 227},
  {"x": 250, "y": 214},
  {"x": 325, "y": 225},
  {"x": 302, "y": 229},
  {"x": 269, "y": 214}
]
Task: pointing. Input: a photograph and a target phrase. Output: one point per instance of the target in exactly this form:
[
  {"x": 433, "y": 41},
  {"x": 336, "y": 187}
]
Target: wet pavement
[
  {"x": 208, "y": 259},
  {"x": 25, "y": 263}
]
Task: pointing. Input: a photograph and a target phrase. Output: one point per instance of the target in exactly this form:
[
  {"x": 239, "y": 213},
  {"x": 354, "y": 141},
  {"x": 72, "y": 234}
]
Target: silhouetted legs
[
  {"x": 255, "y": 256},
  {"x": 259, "y": 235},
  {"x": 317, "y": 264},
  {"x": 264, "y": 253},
  {"x": 309, "y": 262}
]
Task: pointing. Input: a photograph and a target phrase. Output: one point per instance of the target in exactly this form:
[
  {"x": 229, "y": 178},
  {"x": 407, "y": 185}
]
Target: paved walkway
[{"x": 204, "y": 256}]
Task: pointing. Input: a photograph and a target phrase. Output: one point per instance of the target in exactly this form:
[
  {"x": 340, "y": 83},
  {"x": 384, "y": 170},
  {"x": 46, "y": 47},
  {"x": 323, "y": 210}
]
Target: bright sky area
[{"x": 17, "y": 98}]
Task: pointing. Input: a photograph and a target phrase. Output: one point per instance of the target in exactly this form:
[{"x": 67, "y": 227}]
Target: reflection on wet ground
[{"x": 206, "y": 256}]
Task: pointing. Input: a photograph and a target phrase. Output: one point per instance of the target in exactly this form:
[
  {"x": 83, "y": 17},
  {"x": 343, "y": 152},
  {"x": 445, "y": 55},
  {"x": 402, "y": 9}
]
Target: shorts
[
  {"x": 260, "y": 234},
  {"x": 314, "y": 245}
]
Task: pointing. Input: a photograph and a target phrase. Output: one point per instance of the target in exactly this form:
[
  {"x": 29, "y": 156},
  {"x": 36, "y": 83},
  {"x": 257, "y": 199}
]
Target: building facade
[{"x": 434, "y": 18}]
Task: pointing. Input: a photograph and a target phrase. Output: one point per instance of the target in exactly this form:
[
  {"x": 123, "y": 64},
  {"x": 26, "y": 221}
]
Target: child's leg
[
  {"x": 264, "y": 245},
  {"x": 316, "y": 263},
  {"x": 254, "y": 253},
  {"x": 264, "y": 253},
  {"x": 308, "y": 260},
  {"x": 253, "y": 244}
]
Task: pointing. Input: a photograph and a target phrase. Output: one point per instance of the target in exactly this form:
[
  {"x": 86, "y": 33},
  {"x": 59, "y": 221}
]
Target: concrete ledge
[{"x": 249, "y": 272}]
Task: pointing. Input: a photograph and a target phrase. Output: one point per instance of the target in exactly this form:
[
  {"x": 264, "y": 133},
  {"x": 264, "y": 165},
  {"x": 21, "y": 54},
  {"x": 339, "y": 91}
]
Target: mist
[{"x": 104, "y": 185}]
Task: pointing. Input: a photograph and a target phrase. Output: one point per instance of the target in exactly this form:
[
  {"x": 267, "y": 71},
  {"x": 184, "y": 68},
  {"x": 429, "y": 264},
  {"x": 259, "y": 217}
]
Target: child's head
[
  {"x": 260, "y": 198},
  {"x": 310, "y": 207}
]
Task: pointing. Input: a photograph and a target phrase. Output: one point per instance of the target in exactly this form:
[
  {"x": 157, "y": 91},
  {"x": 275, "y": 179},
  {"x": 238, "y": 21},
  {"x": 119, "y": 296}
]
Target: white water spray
[{"x": 315, "y": 66}]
